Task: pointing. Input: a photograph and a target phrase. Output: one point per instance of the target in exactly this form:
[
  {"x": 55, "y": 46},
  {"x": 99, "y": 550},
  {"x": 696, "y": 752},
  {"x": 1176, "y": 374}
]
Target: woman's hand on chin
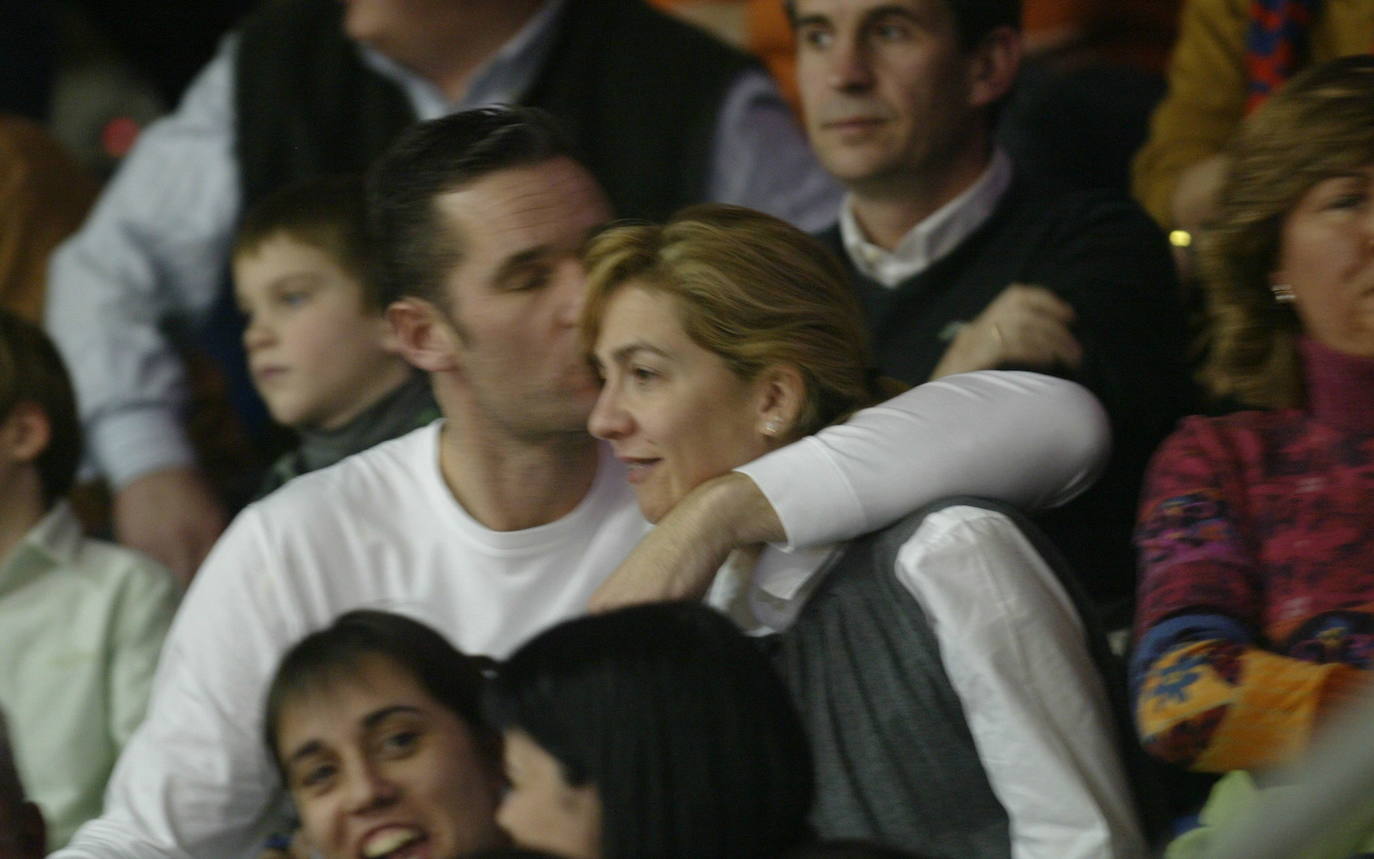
[{"x": 678, "y": 559}]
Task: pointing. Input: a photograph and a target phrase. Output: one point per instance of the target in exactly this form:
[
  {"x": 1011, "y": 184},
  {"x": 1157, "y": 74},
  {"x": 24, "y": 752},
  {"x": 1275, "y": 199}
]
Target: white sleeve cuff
[{"x": 134, "y": 442}]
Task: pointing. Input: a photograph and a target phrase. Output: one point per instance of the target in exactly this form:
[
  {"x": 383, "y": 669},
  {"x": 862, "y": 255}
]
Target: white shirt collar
[
  {"x": 503, "y": 78},
  {"x": 933, "y": 237},
  {"x": 766, "y": 595},
  {"x": 55, "y": 539}
]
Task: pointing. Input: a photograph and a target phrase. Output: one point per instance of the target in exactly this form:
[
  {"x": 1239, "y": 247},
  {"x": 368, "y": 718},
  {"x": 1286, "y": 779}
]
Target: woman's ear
[
  {"x": 781, "y": 394},
  {"x": 422, "y": 335},
  {"x": 25, "y": 433}
]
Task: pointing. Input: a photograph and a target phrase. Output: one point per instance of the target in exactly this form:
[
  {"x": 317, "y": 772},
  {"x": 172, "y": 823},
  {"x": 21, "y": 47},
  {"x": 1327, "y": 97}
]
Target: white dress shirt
[
  {"x": 933, "y": 237},
  {"x": 1012, "y": 645}
]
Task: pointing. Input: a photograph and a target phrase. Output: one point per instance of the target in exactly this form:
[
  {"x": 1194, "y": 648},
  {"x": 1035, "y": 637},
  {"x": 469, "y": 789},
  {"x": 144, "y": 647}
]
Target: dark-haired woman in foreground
[
  {"x": 374, "y": 724},
  {"x": 656, "y": 730}
]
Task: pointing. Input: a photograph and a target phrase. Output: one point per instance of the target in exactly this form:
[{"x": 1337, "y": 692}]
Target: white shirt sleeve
[
  {"x": 152, "y": 250},
  {"x": 195, "y": 779},
  {"x": 1012, "y": 645},
  {"x": 1028, "y": 439},
  {"x": 760, "y": 158}
]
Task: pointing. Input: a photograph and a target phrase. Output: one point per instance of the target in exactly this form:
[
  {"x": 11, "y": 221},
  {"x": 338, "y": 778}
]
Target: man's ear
[
  {"x": 25, "y": 433},
  {"x": 781, "y": 394},
  {"x": 423, "y": 335},
  {"x": 993, "y": 66}
]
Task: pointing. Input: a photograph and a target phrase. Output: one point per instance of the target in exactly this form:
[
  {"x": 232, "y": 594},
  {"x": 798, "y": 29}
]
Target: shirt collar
[
  {"x": 932, "y": 238},
  {"x": 503, "y": 78},
  {"x": 54, "y": 541}
]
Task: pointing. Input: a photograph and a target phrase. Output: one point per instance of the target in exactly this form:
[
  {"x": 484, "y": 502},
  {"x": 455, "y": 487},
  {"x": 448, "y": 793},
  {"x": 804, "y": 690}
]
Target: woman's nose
[{"x": 608, "y": 420}]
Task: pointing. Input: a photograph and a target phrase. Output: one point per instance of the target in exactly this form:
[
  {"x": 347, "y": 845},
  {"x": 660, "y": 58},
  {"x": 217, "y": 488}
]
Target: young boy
[
  {"x": 319, "y": 350},
  {"x": 81, "y": 621}
]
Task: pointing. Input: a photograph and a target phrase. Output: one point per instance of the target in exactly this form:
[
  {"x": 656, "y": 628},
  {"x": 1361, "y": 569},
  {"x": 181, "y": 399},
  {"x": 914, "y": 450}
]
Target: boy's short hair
[
  {"x": 326, "y": 212},
  {"x": 31, "y": 371}
]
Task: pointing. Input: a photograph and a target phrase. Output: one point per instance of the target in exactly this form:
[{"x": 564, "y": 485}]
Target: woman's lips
[{"x": 637, "y": 470}]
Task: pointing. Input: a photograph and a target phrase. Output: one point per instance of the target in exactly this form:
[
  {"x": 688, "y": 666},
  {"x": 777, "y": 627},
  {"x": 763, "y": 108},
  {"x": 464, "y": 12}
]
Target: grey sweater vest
[{"x": 895, "y": 760}]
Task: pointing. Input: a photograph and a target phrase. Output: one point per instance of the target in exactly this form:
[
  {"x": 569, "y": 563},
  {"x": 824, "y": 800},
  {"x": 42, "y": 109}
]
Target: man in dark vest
[
  {"x": 965, "y": 262},
  {"x": 663, "y": 115}
]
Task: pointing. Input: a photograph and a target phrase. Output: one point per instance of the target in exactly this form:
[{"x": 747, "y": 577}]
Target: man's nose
[
  {"x": 850, "y": 67},
  {"x": 572, "y": 287}
]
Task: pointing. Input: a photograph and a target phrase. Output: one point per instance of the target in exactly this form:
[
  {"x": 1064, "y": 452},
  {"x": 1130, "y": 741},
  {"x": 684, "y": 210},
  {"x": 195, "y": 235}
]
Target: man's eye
[
  {"x": 891, "y": 31},
  {"x": 815, "y": 37},
  {"x": 532, "y": 278}
]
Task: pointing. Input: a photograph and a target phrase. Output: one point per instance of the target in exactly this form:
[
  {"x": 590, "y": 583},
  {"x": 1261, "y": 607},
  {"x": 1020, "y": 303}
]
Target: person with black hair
[
  {"x": 655, "y": 730},
  {"x": 375, "y": 727}
]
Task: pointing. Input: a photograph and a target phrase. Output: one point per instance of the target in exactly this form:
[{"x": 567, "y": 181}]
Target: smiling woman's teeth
[{"x": 390, "y": 840}]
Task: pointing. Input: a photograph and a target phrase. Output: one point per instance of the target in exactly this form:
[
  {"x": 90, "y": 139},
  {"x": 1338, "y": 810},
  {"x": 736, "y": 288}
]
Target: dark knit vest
[
  {"x": 1105, "y": 258},
  {"x": 895, "y": 760},
  {"x": 638, "y": 91}
]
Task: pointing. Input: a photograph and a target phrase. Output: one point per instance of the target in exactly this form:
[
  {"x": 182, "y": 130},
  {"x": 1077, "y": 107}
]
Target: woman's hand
[{"x": 679, "y": 558}]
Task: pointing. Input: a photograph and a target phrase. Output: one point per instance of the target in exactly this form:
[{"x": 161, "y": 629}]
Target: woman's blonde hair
[
  {"x": 1320, "y": 125},
  {"x": 752, "y": 289}
]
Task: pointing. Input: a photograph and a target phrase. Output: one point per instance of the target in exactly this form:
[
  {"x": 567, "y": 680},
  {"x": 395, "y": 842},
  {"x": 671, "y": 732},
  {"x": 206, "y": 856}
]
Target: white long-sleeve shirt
[{"x": 382, "y": 530}]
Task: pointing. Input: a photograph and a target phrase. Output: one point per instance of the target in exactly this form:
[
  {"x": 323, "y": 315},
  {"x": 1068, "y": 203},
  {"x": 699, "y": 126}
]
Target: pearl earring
[
  {"x": 771, "y": 426},
  {"x": 1283, "y": 293}
]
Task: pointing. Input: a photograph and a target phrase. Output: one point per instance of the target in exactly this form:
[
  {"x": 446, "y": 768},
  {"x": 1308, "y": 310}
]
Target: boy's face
[{"x": 317, "y": 356}]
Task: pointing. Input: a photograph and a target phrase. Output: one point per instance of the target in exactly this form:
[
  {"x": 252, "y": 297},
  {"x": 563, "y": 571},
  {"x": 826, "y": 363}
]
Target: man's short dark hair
[
  {"x": 973, "y": 19},
  {"x": 31, "y": 371},
  {"x": 328, "y": 213},
  {"x": 414, "y": 251}
]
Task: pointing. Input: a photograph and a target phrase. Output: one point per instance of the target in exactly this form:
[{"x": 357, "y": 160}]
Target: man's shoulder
[
  {"x": 1059, "y": 206},
  {"x": 395, "y": 471}
]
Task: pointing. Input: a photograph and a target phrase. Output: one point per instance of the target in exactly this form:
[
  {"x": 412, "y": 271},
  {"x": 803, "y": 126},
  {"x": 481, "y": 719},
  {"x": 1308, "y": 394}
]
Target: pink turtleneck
[{"x": 1256, "y": 551}]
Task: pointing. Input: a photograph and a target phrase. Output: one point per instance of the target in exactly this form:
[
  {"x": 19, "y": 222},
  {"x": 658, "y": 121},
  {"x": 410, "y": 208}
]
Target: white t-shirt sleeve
[
  {"x": 195, "y": 779},
  {"x": 1024, "y": 438},
  {"x": 1012, "y": 645}
]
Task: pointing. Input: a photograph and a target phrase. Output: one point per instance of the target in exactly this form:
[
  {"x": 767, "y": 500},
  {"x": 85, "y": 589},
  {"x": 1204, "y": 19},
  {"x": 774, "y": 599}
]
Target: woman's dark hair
[
  {"x": 679, "y": 722},
  {"x": 332, "y": 655}
]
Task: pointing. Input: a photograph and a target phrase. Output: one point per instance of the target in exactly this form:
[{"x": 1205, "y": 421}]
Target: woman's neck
[{"x": 1340, "y": 387}]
